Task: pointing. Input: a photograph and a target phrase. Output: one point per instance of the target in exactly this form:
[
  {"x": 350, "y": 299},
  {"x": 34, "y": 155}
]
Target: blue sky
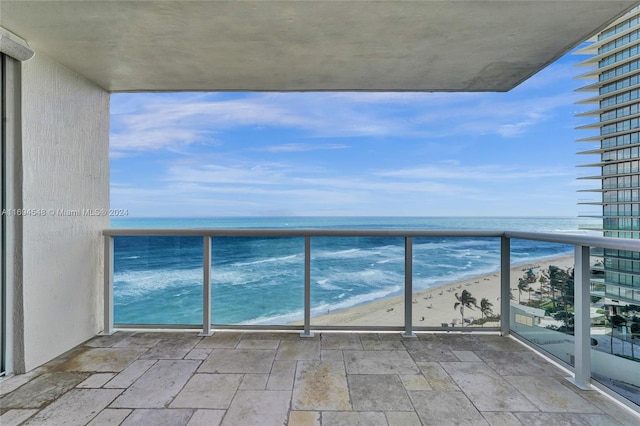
[{"x": 344, "y": 153}]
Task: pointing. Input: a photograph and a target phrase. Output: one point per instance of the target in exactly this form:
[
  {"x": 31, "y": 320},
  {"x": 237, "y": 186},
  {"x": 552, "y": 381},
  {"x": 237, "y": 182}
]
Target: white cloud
[{"x": 303, "y": 147}]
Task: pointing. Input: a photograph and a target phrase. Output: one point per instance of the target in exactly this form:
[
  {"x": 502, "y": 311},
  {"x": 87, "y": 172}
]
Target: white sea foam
[
  {"x": 326, "y": 285},
  {"x": 269, "y": 260},
  {"x": 138, "y": 283}
]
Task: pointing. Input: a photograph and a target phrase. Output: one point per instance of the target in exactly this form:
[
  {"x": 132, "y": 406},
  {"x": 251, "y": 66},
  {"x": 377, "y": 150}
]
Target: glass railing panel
[
  {"x": 257, "y": 280},
  {"x": 542, "y": 296},
  {"x": 157, "y": 280},
  {"x": 456, "y": 282},
  {"x": 357, "y": 281},
  {"x": 615, "y": 323}
]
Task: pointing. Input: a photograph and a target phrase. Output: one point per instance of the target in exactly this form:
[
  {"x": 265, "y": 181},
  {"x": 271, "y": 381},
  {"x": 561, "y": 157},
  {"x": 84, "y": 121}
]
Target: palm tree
[
  {"x": 562, "y": 280},
  {"x": 543, "y": 281},
  {"x": 523, "y": 285},
  {"x": 485, "y": 308},
  {"x": 465, "y": 300}
]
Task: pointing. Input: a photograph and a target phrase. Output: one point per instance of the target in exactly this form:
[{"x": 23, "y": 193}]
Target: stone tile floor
[{"x": 251, "y": 378}]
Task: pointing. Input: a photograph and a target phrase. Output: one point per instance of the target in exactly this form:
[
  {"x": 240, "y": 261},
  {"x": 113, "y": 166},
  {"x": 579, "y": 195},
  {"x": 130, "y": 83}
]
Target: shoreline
[{"x": 434, "y": 306}]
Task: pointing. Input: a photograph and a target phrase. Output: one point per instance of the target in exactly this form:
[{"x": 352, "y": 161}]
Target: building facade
[{"x": 615, "y": 65}]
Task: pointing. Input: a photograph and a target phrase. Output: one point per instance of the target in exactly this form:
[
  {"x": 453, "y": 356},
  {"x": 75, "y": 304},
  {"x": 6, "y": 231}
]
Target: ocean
[{"x": 259, "y": 280}]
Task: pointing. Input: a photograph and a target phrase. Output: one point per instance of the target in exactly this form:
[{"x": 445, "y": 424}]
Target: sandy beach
[{"x": 434, "y": 306}]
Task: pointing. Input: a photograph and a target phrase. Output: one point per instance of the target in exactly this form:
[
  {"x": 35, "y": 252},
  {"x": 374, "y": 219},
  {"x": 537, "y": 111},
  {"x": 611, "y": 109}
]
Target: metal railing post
[
  {"x": 505, "y": 285},
  {"x": 206, "y": 286},
  {"x": 582, "y": 320},
  {"x": 408, "y": 288},
  {"x": 108, "y": 285},
  {"x": 307, "y": 288}
]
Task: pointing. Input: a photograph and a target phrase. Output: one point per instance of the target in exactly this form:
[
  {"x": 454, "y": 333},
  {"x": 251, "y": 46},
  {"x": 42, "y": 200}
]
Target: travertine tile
[
  {"x": 331, "y": 355},
  {"x": 158, "y": 386},
  {"x": 16, "y": 417},
  {"x": 299, "y": 350},
  {"x": 402, "y": 418},
  {"x": 42, "y": 390},
  {"x": 519, "y": 363},
  {"x": 353, "y": 418},
  {"x": 378, "y": 392},
  {"x": 198, "y": 353},
  {"x": 463, "y": 342},
  {"x": 282, "y": 375},
  {"x": 208, "y": 391},
  {"x": 379, "y": 362},
  {"x": 76, "y": 407},
  {"x": 11, "y": 383},
  {"x": 414, "y": 382},
  {"x": 340, "y": 341},
  {"x": 206, "y": 418},
  {"x": 320, "y": 385},
  {"x": 140, "y": 340},
  {"x": 563, "y": 419},
  {"x": 304, "y": 418},
  {"x": 126, "y": 377},
  {"x": 429, "y": 350},
  {"x": 262, "y": 335},
  {"x": 445, "y": 408},
  {"x": 501, "y": 418},
  {"x": 467, "y": 356},
  {"x": 549, "y": 395},
  {"x": 238, "y": 361},
  {"x": 503, "y": 344},
  {"x": 171, "y": 348},
  {"x": 107, "y": 341},
  {"x": 96, "y": 380},
  {"x": 254, "y": 381},
  {"x": 159, "y": 417},
  {"x": 220, "y": 339},
  {"x": 103, "y": 359},
  {"x": 258, "y": 344},
  {"x": 383, "y": 345},
  {"x": 487, "y": 390},
  {"x": 110, "y": 416},
  {"x": 436, "y": 376},
  {"x": 252, "y": 407}
]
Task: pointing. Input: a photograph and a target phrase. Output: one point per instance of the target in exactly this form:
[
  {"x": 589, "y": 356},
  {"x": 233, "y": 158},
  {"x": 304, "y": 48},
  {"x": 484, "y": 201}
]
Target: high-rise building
[{"x": 615, "y": 64}]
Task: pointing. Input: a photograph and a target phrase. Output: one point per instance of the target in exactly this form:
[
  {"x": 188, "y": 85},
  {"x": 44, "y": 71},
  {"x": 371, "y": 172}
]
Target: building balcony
[{"x": 407, "y": 368}]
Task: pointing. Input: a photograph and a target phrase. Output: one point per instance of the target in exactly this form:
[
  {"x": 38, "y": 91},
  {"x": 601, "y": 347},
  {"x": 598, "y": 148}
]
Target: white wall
[{"x": 65, "y": 165}]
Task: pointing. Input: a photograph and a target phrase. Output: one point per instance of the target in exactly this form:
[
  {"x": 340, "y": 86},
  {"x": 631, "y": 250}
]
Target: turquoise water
[{"x": 259, "y": 280}]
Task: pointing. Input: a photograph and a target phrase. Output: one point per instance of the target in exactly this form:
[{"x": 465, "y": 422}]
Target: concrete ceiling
[{"x": 468, "y": 45}]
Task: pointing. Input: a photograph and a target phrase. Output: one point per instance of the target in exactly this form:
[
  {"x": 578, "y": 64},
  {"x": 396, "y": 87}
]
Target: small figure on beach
[{"x": 390, "y": 309}]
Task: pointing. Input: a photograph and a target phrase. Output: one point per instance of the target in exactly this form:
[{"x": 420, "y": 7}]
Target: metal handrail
[{"x": 562, "y": 238}]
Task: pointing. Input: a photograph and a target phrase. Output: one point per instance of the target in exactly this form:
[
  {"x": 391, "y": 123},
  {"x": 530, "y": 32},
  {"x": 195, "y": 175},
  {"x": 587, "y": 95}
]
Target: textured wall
[{"x": 65, "y": 152}]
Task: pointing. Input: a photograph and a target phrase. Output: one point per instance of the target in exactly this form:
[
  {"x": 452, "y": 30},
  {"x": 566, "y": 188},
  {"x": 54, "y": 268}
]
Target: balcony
[
  {"x": 269, "y": 378},
  {"x": 403, "y": 370}
]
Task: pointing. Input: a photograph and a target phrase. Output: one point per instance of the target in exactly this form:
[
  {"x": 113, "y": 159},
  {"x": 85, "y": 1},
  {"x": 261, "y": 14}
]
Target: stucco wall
[{"x": 65, "y": 155}]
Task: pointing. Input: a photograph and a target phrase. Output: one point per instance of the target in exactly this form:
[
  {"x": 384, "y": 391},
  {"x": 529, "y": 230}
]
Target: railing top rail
[
  {"x": 261, "y": 232},
  {"x": 581, "y": 240},
  {"x": 573, "y": 239}
]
